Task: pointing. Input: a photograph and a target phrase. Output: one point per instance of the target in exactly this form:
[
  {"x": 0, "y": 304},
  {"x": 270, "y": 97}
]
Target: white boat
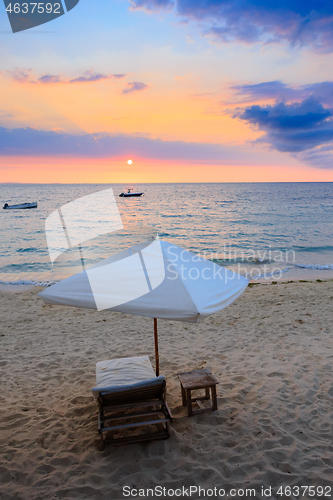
[
  {"x": 20, "y": 206},
  {"x": 129, "y": 193}
]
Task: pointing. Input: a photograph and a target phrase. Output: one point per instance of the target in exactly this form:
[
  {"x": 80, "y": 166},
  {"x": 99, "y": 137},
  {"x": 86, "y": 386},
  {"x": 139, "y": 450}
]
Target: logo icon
[
  {"x": 23, "y": 14},
  {"x": 120, "y": 278}
]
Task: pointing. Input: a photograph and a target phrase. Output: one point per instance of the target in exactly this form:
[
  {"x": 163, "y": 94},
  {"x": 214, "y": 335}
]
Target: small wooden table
[{"x": 198, "y": 379}]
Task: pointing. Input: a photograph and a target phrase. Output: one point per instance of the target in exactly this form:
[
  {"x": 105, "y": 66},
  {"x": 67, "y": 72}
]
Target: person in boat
[{"x": 5, "y": 205}]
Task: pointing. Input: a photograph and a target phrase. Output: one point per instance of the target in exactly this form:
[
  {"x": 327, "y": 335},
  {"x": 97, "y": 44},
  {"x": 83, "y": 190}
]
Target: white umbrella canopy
[{"x": 156, "y": 279}]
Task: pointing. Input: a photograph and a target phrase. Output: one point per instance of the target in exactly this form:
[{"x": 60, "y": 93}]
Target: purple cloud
[
  {"x": 319, "y": 157},
  {"x": 135, "y": 87},
  {"x": 265, "y": 90},
  {"x": 28, "y": 141},
  {"x": 322, "y": 91},
  {"x": 50, "y": 79},
  {"x": 90, "y": 77},
  {"x": 291, "y": 128},
  {"x": 32, "y": 142},
  {"x": 20, "y": 75},
  {"x": 24, "y": 76},
  {"x": 299, "y": 22},
  {"x": 300, "y": 122}
]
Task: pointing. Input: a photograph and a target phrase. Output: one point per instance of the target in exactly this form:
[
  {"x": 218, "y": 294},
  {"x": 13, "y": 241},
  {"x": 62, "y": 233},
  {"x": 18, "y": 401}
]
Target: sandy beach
[{"x": 272, "y": 351}]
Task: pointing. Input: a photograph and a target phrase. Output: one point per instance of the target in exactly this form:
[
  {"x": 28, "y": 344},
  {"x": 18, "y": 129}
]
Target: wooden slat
[
  {"x": 168, "y": 410},
  {"x": 200, "y": 398},
  {"x": 136, "y": 424},
  {"x": 157, "y": 402},
  {"x": 133, "y": 415},
  {"x": 140, "y": 437}
]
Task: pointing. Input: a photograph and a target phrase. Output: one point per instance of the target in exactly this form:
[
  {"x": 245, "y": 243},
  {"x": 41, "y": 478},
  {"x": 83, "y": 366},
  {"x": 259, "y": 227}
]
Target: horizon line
[{"x": 199, "y": 182}]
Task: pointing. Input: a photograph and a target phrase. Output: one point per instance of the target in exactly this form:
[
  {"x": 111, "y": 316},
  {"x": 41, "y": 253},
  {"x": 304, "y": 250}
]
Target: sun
[{"x": 129, "y": 162}]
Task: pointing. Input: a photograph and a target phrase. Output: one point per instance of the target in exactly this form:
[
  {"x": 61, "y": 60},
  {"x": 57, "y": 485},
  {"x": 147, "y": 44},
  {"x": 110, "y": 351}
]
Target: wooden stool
[{"x": 198, "y": 379}]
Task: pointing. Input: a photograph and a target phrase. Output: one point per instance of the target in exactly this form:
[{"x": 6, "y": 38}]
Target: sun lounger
[{"x": 130, "y": 398}]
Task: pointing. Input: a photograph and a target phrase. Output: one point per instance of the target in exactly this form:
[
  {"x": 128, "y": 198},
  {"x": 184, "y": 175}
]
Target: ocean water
[{"x": 266, "y": 231}]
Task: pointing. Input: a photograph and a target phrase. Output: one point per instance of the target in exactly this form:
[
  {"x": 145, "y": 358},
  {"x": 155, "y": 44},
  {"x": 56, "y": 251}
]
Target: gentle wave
[
  {"x": 28, "y": 282},
  {"x": 255, "y": 271},
  {"x": 246, "y": 260},
  {"x": 318, "y": 267},
  {"x": 325, "y": 248},
  {"x": 31, "y": 249}
]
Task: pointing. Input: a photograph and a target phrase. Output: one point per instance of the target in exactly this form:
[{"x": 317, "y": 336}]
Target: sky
[{"x": 189, "y": 90}]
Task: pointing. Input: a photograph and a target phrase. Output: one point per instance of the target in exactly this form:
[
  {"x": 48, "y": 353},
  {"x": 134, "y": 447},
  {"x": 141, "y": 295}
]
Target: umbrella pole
[{"x": 157, "y": 359}]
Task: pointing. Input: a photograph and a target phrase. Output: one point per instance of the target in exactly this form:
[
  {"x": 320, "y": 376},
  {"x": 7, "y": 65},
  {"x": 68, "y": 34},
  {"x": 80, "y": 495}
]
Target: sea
[{"x": 263, "y": 231}]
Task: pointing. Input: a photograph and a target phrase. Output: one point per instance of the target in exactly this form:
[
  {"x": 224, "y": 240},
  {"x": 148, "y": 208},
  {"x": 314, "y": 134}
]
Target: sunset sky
[{"x": 190, "y": 90}]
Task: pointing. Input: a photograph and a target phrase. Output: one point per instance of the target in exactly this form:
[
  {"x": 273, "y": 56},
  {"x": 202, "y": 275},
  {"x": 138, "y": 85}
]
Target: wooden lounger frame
[{"x": 146, "y": 405}]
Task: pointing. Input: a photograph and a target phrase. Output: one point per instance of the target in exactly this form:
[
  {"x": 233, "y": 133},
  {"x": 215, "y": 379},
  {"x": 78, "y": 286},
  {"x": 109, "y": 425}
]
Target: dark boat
[
  {"x": 20, "y": 206},
  {"x": 129, "y": 194}
]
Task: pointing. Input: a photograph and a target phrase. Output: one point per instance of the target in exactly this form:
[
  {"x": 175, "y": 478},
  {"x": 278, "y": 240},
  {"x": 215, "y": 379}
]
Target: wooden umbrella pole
[{"x": 157, "y": 359}]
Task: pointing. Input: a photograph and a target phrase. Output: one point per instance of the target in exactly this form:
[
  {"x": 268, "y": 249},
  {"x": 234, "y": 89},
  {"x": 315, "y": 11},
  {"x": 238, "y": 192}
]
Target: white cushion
[{"x": 122, "y": 373}]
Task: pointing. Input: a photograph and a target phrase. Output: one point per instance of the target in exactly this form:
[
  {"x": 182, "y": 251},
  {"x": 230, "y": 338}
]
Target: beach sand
[{"x": 272, "y": 351}]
